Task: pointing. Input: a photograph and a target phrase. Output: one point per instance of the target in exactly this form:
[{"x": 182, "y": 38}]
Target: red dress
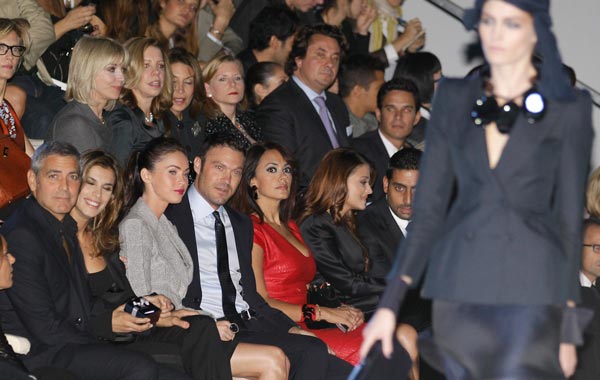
[{"x": 287, "y": 272}]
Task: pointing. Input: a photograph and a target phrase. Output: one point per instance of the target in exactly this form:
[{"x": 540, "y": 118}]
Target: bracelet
[
  {"x": 214, "y": 31},
  {"x": 309, "y": 313}
]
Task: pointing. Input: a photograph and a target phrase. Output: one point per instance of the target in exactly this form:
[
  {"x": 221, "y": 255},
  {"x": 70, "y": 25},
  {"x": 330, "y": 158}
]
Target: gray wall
[{"x": 576, "y": 25}]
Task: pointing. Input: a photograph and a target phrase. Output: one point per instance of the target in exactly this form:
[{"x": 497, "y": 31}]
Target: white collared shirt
[
  {"x": 402, "y": 223},
  {"x": 206, "y": 244},
  {"x": 389, "y": 147},
  {"x": 584, "y": 281}
]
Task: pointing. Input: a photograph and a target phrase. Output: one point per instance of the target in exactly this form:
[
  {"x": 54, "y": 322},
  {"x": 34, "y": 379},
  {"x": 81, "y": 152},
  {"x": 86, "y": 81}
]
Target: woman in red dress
[{"x": 283, "y": 265}]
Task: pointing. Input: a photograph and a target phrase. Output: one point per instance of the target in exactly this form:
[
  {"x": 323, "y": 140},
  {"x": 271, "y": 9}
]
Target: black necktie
[{"x": 228, "y": 292}]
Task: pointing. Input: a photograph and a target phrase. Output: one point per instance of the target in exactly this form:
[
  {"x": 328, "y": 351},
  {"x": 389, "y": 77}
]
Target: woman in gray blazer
[
  {"x": 96, "y": 78},
  {"x": 502, "y": 254},
  {"x": 158, "y": 260}
]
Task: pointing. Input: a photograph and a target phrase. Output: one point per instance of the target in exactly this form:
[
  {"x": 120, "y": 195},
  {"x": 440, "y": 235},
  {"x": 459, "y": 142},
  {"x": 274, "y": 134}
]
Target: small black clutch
[{"x": 142, "y": 308}]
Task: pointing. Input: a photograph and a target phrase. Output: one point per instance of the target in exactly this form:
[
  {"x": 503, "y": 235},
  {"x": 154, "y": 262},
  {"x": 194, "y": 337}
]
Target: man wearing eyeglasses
[{"x": 588, "y": 366}]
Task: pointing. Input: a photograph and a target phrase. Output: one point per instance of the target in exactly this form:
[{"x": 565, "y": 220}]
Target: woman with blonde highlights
[
  {"x": 224, "y": 85},
  {"x": 96, "y": 77},
  {"x": 138, "y": 118}
]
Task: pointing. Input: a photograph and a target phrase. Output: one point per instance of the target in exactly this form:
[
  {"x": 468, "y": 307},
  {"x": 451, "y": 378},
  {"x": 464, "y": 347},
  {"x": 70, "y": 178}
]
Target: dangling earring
[{"x": 254, "y": 192}]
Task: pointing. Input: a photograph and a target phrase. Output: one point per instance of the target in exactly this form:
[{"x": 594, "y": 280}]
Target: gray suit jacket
[
  {"x": 77, "y": 124},
  {"x": 157, "y": 259}
]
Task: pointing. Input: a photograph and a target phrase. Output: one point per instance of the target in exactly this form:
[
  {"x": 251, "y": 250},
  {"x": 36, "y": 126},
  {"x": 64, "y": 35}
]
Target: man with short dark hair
[
  {"x": 271, "y": 37},
  {"x": 49, "y": 301},
  {"x": 301, "y": 114},
  {"x": 382, "y": 226},
  {"x": 247, "y": 11},
  {"x": 397, "y": 111},
  {"x": 360, "y": 78},
  {"x": 220, "y": 241}
]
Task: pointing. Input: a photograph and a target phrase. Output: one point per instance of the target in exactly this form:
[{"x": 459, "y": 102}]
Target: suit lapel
[{"x": 313, "y": 115}]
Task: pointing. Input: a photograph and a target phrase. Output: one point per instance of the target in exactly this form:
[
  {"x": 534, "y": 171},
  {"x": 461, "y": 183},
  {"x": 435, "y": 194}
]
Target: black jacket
[
  {"x": 340, "y": 260},
  {"x": 49, "y": 303},
  {"x": 288, "y": 117},
  {"x": 512, "y": 234}
]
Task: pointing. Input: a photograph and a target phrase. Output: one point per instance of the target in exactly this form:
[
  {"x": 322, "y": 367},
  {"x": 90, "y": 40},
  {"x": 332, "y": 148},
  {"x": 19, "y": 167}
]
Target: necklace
[
  {"x": 8, "y": 120},
  {"x": 149, "y": 119}
]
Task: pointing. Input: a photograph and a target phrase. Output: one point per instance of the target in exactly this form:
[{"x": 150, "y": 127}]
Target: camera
[{"x": 140, "y": 307}]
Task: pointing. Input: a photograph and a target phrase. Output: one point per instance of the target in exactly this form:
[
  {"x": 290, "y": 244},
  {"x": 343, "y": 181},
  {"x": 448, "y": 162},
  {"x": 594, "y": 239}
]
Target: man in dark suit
[
  {"x": 301, "y": 115},
  {"x": 229, "y": 293},
  {"x": 588, "y": 364},
  {"x": 271, "y": 37},
  {"x": 49, "y": 301},
  {"x": 397, "y": 112},
  {"x": 382, "y": 226}
]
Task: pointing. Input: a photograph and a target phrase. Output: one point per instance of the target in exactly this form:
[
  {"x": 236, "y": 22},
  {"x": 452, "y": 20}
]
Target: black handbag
[{"x": 322, "y": 294}]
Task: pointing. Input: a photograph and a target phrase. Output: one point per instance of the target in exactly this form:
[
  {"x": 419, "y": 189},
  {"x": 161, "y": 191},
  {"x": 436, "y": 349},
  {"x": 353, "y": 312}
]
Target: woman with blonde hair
[
  {"x": 224, "y": 85},
  {"x": 139, "y": 116},
  {"x": 96, "y": 77},
  {"x": 592, "y": 194}
]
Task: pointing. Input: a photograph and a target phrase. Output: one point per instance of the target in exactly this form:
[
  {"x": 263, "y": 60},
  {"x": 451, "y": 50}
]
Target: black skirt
[{"x": 495, "y": 342}]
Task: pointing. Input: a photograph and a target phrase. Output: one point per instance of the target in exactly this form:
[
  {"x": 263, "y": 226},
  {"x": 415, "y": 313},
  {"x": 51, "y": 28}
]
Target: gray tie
[{"x": 326, "y": 122}]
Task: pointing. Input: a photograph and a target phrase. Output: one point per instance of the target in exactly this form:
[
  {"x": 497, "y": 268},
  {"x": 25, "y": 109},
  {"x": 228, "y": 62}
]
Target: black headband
[{"x": 553, "y": 81}]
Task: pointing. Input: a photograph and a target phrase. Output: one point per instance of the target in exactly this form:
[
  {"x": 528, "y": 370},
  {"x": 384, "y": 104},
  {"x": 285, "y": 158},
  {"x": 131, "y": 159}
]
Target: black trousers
[
  {"x": 199, "y": 346},
  {"x": 107, "y": 362},
  {"x": 309, "y": 359}
]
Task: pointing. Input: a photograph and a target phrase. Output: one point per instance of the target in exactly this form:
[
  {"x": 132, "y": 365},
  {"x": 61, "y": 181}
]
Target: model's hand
[
  {"x": 225, "y": 331},
  {"x": 418, "y": 43},
  {"x": 365, "y": 18},
  {"x": 381, "y": 327},
  {"x": 567, "y": 356},
  {"x": 123, "y": 322},
  {"x": 346, "y": 315}
]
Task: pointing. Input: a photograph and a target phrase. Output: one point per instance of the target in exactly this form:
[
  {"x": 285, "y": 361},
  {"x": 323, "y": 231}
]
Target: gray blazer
[
  {"x": 157, "y": 259},
  {"x": 77, "y": 124}
]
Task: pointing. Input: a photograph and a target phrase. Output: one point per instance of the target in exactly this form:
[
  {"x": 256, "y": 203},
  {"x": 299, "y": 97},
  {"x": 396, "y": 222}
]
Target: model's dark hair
[
  {"x": 303, "y": 40},
  {"x": 259, "y": 73},
  {"x": 419, "y": 67},
  {"x": 104, "y": 227},
  {"x": 328, "y": 189},
  {"x": 278, "y": 21},
  {"x": 244, "y": 199},
  {"x": 404, "y": 159},
  {"x": 358, "y": 70},
  {"x": 399, "y": 84},
  {"x": 147, "y": 158},
  {"x": 219, "y": 139}
]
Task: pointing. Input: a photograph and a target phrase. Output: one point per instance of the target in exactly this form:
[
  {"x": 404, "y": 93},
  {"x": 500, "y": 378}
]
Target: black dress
[
  {"x": 221, "y": 124},
  {"x": 200, "y": 348}
]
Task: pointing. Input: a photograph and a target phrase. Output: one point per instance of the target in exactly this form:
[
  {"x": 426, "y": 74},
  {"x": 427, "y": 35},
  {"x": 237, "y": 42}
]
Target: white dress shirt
[
  {"x": 584, "y": 281},
  {"x": 206, "y": 244},
  {"x": 402, "y": 223}
]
